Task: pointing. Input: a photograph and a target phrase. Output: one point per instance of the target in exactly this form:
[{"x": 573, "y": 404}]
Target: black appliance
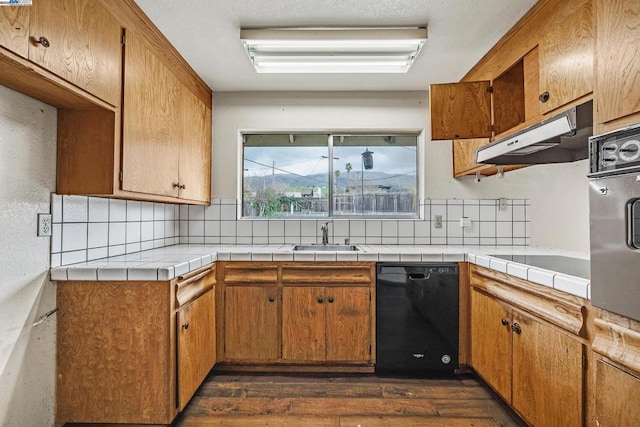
[{"x": 417, "y": 317}]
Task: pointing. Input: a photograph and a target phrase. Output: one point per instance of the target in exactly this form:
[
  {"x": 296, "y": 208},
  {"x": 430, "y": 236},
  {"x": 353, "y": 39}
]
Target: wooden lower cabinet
[
  {"x": 617, "y": 396},
  {"x": 196, "y": 330},
  {"x": 615, "y": 370},
  {"x": 326, "y": 324},
  {"x": 532, "y": 359},
  {"x": 251, "y": 323},
  {"x": 315, "y": 315},
  {"x": 132, "y": 352},
  {"x": 547, "y": 373},
  {"x": 491, "y": 342}
]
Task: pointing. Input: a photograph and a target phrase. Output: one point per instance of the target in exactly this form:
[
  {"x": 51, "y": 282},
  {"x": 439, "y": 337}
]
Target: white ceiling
[{"x": 206, "y": 33}]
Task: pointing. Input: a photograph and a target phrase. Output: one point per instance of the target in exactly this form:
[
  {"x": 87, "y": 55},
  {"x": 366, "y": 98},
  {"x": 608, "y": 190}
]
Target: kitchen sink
[{"x": 318, "y": 248}]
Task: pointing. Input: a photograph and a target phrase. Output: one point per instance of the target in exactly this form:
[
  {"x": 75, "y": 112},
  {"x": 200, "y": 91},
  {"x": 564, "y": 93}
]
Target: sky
[{"x": 309, "y": 160}]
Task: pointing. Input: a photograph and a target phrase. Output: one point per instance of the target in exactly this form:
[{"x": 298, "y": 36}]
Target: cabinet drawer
[
  {"x": 250, "y": 273},
  {"x": 192, "y": 286},
  {"x": 327, "y": 274}
]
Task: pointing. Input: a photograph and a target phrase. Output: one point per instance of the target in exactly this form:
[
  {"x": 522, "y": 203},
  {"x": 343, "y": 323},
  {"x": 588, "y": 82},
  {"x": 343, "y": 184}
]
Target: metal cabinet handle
[
  {"x": 320, "y": 300},
  {"x": 43, "y": 41},
  {"x": 544, "y": 96},
  {"x": 272, "y": 298},
  {"x": 330, "y": 299},
  {"x": 516, "y": 328},
  {"x": 504, "y": 322},
  {"x": 179, "y": 186},
  {"x": 185, "y": 325}
]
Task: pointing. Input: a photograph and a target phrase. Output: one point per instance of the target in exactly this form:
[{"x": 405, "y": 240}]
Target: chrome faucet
[{"x": 325, "y": 233}]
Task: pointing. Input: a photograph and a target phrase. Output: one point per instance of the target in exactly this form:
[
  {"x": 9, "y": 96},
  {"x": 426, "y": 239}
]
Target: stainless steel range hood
[{"x": 558, "y": 139}]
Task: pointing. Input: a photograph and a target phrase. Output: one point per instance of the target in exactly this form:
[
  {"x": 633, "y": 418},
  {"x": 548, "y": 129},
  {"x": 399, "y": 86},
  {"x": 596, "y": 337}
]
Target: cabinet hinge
[
  {"x": 120, "y": 176},
  {"x": 490, "y": 89}
]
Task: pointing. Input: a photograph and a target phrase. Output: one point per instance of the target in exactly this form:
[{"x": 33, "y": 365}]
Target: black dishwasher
[{"x": 417, "y": 318}]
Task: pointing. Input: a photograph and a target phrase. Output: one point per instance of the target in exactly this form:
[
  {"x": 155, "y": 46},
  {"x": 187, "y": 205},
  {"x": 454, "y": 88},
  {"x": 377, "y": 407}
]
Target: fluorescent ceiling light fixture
[{"x": 333, "y": 50}]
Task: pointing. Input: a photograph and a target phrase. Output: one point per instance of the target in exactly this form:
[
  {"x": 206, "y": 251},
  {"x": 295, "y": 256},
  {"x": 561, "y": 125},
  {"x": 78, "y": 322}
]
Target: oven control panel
[{"x": 615, "y": 152}]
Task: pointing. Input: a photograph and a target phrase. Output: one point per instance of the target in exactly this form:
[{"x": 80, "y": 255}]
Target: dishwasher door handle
[{"x": 419, "y": 276}]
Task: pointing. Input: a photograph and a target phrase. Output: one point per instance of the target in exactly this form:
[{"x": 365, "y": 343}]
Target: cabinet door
[
  {"x": 303, "y": 323},
  {"x": 151, "y": 122},
  {"x": 464, "y": 154},
  {"x": 566, "y": 59},
  {"x": 195, "y": 149},
  {"x": 618, "y": 59},
  {"x": 460, "y": 110},
  {"x": 84, "y": 45},
  {"x": 547, "y": 374},
  {"x": 14, "y": 29},
  {"x": 616, "y": 397},
  {"x": 491, "y": 342},
  {"x": 251, "y": 323},
  {"x": 348, "y": 327},
  {"x": 196, "y": 344}
]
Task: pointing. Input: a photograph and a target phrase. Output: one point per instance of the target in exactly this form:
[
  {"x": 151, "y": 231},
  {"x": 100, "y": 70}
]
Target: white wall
[
  {"x": 558, "y": 193},
  {"x": 27, "y": 174}
]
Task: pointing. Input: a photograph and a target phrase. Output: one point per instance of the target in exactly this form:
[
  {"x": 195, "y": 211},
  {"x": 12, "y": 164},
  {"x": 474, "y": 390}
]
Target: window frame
[{"x": 330, "y": 215}]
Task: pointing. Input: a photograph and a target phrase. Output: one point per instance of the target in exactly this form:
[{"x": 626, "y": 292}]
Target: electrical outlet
[
  {"x": 465, "y": 222},
  {"x": 437, "y": 221},
  {"x": 44, "y": 225},
  {"x": 502, "y": 204}
]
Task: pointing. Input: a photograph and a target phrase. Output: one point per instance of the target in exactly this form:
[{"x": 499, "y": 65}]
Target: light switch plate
[
  {"x": 437, "y": 221},
  {"x": 44, "y": 225}
]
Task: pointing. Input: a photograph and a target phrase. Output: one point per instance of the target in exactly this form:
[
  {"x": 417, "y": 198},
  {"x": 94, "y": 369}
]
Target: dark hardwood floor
[{"x": 251, "y": 400}]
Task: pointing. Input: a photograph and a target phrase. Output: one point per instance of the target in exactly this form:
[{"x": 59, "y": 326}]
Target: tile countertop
[{"x": 173, "y": 261}]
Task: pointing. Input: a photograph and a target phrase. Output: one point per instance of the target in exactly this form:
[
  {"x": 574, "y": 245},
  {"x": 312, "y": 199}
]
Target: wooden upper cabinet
[
  {"x": 618, "y": 70},
  {"x": 79, "y": 41},
  {"x": 491, "y": 342},
  {"x": 251, "y": 323},
  {"x": 460, "y": 110},
  {"x": 195, "y": 150},
  {"x": 151, "y": 121},
  {"x": 566, "y": 60},
  {"x": 348, "y": 324},
  {"x": 547, "y": 374},
  {"x": 195, "y": 329},
  {"x": 14, "y": 29}
]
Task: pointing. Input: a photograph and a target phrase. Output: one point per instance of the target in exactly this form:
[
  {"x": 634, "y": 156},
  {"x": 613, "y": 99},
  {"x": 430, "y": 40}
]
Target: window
[{"x": 322, "y": 175}]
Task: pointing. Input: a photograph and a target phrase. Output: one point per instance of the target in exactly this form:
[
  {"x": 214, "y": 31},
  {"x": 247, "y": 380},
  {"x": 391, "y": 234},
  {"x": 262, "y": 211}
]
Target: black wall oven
[{"x": 614, "y": 201}]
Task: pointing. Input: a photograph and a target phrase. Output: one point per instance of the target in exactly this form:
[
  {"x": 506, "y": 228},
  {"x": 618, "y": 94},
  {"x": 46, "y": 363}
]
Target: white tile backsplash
[
  {"x": 133, "y": 210},
  {"x": 117, "y": 233},
  {"x": 146, "y": 211},
  {"x": 98, "y": 235},
  {"x": 75, "y": 209},
  {"x": 98, "y": 210},
  {"x": 117, "y": 210},
  {"x": 74, "y": 236},
  {"x": 96, "y": 227}
]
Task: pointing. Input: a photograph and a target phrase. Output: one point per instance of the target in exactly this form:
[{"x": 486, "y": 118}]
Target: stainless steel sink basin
[{"x": 318, "y": 248}]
